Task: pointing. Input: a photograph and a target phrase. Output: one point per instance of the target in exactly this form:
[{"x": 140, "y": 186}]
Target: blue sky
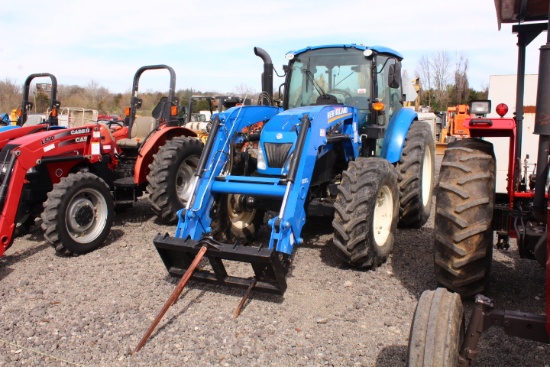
[{"x": 210, "y": 43}]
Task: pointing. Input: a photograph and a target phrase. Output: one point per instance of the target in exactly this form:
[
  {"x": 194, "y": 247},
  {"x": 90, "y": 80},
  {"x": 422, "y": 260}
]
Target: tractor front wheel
[
  {"x": 171, "y": 176},
  {"x": 366, "y": 212},
  {"x": 416, "y": 168},
  {"x": 437, "y": 331},
  {"x": 78, "y": 214}
]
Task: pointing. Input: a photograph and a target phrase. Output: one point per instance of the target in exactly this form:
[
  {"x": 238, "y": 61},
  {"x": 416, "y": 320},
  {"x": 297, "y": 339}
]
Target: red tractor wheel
[{"x": 78, "y": 214}]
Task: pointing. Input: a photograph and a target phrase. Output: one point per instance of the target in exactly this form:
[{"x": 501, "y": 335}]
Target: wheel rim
[
  {"x": 184, "y": 178},
  {"x": 383, "y": 216},
  {"x": 240, "y": 218},
  {"x": 86, "y": 215},
  {"x": 427, "y": 170}
]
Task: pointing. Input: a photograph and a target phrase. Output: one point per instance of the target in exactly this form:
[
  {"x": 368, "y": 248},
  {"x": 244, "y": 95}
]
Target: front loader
[
  {"x": 339, "y": 146},
  {"x": 75, "y": 178}
]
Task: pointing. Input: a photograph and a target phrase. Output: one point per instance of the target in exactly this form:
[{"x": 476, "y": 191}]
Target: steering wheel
[
  {"x": 114, "y": 122},
  {"x": 340, "y": 91}
]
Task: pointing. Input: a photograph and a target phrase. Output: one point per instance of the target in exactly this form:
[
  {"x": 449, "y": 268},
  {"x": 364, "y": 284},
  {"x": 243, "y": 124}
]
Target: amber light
[
  {"x": 174, "y": 110},
  {"x": 54, "y": 112},
  {"x": 19, "y": 112},
  {"x": 378, "y": 106},
  {"x": 127, "y": 111},
  {"x": 502, "y": 109}
]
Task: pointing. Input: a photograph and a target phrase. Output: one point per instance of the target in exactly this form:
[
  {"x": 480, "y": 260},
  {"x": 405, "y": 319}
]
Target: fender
[
  {"x": 396, "y": 133},
  {"x": 151, "y": 146}
]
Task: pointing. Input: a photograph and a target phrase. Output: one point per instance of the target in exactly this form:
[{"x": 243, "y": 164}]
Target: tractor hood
[{"x": 279, "y": 135}]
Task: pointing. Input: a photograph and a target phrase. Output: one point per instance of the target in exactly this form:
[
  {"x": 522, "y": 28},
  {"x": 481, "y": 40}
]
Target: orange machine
[{"x": 455, "y": 128}]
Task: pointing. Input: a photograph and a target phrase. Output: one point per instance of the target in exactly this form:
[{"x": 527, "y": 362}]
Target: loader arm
[{"x": 66, "y": 148}]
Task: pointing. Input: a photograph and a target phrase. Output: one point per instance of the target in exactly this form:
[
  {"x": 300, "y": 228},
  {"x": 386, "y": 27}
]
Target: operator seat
[{"x": 139, "y": 131}]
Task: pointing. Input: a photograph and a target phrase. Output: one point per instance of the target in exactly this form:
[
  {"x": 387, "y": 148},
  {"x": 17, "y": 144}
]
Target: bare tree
[
  {"x": 461, "y": 87},
  {"x": 95, "y": 95},
  {"x": 424, "y": 72},
  {"x": 10, "y": 95}
]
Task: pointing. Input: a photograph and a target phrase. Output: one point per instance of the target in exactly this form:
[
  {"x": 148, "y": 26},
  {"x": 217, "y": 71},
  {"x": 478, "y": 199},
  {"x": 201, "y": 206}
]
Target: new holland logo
[{"x": 337, "y": 113}]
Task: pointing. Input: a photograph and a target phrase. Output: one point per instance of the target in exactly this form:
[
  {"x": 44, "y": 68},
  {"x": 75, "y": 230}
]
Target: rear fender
[
  {"x": 396, "y": 133},
  {"x": 152, "y": 145}
]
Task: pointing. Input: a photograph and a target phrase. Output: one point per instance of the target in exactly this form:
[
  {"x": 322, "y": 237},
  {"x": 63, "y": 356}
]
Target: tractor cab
[
  {"x": 366, "y": 78},
  {"x": 355, "y": 76}
]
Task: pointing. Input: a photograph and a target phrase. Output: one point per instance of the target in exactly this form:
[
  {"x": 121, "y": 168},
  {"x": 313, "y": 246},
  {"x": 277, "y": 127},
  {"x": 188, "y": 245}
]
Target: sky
[{"x": 210, "y": 44}]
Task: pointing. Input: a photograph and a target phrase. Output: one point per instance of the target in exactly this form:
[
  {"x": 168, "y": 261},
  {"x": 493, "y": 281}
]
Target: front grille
[{"x": 277, "y": 153}]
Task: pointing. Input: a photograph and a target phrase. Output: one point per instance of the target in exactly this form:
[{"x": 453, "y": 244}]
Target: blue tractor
[{"x": 338, "y": 145}]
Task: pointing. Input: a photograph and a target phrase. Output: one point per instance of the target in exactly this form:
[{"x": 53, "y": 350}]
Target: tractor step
[{"x": 178, "y": 255}]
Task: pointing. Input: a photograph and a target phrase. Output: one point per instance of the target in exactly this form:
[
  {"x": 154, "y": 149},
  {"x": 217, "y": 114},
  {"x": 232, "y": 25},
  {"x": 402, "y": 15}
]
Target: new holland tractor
[
  {"x": 340, "y": 146},
  {"x": 470, "y": 215},
  {"x": 74, "y": 178}
]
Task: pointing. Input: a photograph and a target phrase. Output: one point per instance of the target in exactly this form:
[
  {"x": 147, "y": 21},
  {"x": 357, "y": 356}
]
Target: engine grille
[{"x": 277, "y": 153}]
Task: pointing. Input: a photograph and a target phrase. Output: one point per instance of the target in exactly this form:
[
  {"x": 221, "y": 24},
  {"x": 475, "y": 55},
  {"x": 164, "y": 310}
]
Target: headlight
[{"x": 261, "y": 159}]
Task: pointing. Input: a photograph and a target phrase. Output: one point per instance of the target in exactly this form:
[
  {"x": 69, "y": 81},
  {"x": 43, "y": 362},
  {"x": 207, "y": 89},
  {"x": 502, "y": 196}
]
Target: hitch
[{"x": 268, "y": 266}]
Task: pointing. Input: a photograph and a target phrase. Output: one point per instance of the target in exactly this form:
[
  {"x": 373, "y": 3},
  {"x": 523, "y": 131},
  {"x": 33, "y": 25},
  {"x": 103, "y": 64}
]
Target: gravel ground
[{"x": 92, "y": 310}]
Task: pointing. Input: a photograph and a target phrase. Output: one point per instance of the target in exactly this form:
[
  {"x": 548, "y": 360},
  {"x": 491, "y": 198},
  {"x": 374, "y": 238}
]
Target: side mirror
[{"x": 394, "y": 75}]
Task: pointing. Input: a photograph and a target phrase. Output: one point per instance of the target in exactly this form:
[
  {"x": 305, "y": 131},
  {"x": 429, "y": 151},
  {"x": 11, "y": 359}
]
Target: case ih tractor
[
  {"x": 73, "y": 178},
  {"x": 10, "y": 132},
  {"x": 340, "y": 146},
  {"x": 468, "y": 214}
]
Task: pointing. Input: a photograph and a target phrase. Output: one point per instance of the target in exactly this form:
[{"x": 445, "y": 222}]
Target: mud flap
[{"x": 178, "y": 254}]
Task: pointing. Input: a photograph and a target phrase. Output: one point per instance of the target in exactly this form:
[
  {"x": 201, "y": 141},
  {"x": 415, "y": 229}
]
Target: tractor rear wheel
[
  {"x": 437, "y": 330},
  {"x": 464, "y": 211},
  {"x": 416, "y": 168},
  {"x": 366, "y": 212},
  {"x": 78, "y": 214},
  {"x": 232, "y": 220},
  {"x": 171, "y": 175}
]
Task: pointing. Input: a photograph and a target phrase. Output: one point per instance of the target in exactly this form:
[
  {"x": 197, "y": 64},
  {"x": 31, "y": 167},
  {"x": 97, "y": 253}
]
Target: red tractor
[
  {"x": 25, "y": 127},
  {"x": 469, "y": 213},
  {"x": 74, "y": 178}
]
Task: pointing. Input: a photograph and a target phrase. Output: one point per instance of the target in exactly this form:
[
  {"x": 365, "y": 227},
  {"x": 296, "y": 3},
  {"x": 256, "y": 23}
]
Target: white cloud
[{"x": 209, "y": 44}]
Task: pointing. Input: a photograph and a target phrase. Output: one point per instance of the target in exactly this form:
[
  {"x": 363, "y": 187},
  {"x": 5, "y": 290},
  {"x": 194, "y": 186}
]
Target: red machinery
[
  {"x": 73, "y": 178},
  {"x": 468, "y": 213}
]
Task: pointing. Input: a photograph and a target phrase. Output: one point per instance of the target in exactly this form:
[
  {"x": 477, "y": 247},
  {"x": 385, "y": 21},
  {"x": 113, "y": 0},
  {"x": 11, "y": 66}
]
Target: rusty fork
[{"x": 173, "y": 297}]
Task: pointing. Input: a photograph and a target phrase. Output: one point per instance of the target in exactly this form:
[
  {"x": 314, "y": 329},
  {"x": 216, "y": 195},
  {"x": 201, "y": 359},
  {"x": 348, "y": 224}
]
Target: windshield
[{"x": 342, "y": 73}]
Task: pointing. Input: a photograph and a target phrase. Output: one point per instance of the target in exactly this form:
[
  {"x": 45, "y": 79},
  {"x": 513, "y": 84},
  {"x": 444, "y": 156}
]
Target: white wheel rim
[
  {"x": 427, "y": 170},
  {"x": 240, "y": 219},
  {"x": 383, "y": 216},
  {"x": 86, "y": 215},
  {"x": 184, "y": 178}
]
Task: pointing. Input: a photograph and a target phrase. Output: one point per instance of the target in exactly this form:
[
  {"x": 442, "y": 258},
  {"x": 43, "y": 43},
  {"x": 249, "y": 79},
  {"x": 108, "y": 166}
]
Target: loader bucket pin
[
  {"x": 245, "y": 298},
  {"x": 173, "y": 297}
]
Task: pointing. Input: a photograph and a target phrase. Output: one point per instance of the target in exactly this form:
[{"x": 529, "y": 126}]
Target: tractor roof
[
  {"x": 380, "y": 49},
  {"x": 520, "y": 11}
]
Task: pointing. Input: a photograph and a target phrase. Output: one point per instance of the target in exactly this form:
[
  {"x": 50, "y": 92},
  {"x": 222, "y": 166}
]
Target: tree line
[
  {"x": 442, "y": 85},
  {"x": 96, "y": 97}
]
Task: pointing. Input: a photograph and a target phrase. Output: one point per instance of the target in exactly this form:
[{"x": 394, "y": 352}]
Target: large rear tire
[
  {"x": 366, "y": 212},
  {"x": 171, "y": 176},
  {"x": 437, "y": 330},
  {"x": 78, "y": 214},
  {"x": 416, "y": 168},
  {"x": 464, "y": 212},
  {"x": 234, "y": 221}
]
